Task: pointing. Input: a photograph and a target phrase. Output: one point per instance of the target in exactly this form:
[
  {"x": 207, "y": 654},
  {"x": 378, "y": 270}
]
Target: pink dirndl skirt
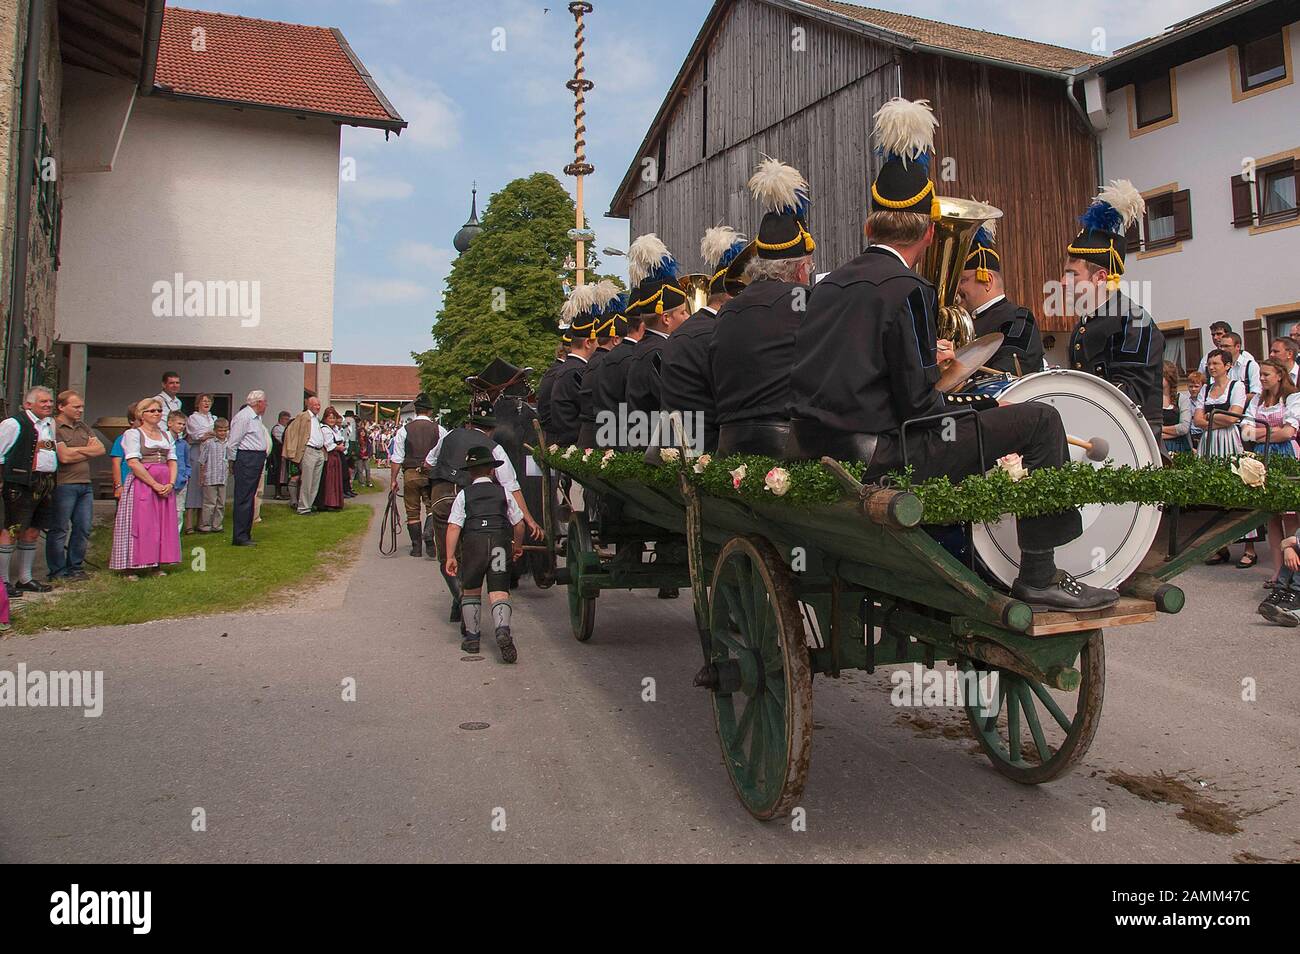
[{"x": 144, "y": 532}]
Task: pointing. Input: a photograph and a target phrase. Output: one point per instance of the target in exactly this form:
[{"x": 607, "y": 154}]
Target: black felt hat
[
  {"x": 422, "y": 402},
  {"x": 984, "y": 257},
  {"x": 479, "y": 456},
  {"x": 653, "y": 272},
  {"x": 904, "y": 133},
  {"x": 782, "y": 192},
  {"x": 1102, "y": 240}
]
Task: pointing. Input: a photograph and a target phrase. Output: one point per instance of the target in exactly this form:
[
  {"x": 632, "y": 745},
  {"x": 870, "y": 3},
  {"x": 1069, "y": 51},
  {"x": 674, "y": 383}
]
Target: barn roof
[
  {"x": 896, "y": 29},
  {"x": 307, "y": 70}
]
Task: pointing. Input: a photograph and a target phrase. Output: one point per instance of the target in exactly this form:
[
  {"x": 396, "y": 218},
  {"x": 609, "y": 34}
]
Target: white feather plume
[
  {"x": 604, "y": 292},
  {"x": 1122, "y": 196},
  {"x": 643, "y": 255},
  {"x": 580, "y": 301},
  {"x": 716, "y": 243},
  {"x": 777, "y": 186},
  {"x": 905, "y": 128},
  {"x": 991, "y": 226}
]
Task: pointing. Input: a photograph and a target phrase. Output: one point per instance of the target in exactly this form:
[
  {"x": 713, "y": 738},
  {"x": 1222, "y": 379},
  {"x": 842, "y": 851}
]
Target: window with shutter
[
  {"x": 1277, "y": 191},
  {"x": 1192, "y": 348},
  {"x": 1253, "y": 339},
  {"x": 1182, "y": 203},
  {"x": 1243, "y": 213},
  {"x": 1159, "y": 221}
]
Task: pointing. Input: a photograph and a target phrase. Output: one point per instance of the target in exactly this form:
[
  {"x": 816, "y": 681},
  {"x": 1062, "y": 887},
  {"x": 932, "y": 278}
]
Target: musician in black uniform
[
  {"x": 485, "y": 531},
  {"x": 686, "y": 384},
  {"x": 753, "y": 344},
  {"x": 984, "y": 295},
  {"x": 662, "y": 305},
  {"x": 582, "y": 310},
  {"x": 1115, "y": 338},
  {"x": 547, "y": 381},
  {"x": 610, "y": 386},
  {"x": 608, "y": 326},
  {"x": 866, "y": 364}
]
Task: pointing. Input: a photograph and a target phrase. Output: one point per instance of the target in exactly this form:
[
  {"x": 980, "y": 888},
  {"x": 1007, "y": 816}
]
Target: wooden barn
[{"x": 800, "y": 80}]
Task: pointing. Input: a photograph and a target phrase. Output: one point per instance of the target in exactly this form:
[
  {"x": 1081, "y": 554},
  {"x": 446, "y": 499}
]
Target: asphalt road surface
[{"x": 237, "y": 725}]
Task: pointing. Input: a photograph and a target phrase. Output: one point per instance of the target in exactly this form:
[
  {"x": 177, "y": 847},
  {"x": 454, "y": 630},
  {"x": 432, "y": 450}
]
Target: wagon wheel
[
  {"x": 762, "y": 703},
  {"x": 579, "y": 557},
  {"x": 1055, "y": 738}
]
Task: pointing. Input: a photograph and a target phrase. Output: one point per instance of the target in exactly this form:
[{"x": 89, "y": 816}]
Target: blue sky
[{"x": 493, "y": 115}]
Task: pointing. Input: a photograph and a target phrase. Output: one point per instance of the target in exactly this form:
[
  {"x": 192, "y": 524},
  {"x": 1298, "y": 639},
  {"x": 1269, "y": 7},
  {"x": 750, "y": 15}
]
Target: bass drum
[{"x": 1116, "y": 537}]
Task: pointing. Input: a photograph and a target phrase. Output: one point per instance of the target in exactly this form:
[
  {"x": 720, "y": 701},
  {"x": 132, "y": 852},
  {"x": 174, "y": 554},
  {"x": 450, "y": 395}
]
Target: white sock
[{"x": 26, "y": 556}]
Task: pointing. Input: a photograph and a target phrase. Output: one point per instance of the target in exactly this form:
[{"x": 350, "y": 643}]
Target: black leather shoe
[
  {"x": 33, "y": 586},
  {"x": 668, "y": 593},
  {"x": 1065, "y": 594},
  {"x": 12, "y": 591},
  {"x": 246, "y": 543}
]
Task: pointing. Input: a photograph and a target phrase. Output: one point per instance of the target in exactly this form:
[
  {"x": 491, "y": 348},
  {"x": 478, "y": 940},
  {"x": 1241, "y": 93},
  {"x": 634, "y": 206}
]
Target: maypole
[{"x": 579, "y": 168}]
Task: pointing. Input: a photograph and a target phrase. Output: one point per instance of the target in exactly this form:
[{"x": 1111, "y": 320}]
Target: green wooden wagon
[{"x": 783, "y": 593}]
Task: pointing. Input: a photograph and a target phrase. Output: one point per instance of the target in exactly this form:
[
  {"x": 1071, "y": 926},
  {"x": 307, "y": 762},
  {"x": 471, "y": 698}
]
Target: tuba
[
  {"x": 954, "y": 233},
  {"x": 697, "y": 290}
]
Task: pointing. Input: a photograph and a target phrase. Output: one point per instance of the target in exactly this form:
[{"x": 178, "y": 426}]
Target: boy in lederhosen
[{"x": 485, "y": 532}]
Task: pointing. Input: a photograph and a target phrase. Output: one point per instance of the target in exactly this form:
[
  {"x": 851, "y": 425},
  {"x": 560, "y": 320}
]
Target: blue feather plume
[
  {"x": 730, "y": 254},
  {"x": 1103, "y": 217},
  {"x": 982, "y": 237},
  {"x": 664, "y": 269}
]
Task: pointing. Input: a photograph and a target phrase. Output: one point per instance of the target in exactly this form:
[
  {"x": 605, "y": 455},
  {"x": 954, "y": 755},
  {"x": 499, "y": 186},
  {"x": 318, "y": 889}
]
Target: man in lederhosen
[
  {"x": 610, "y": 386},
  {"x": 411, "y": 445},
  {"x": 608, "y": 325},
  {"x": 1115, "y": 338},
  {"x": 686, "y": 383},
  {"x": 28, "y": 450},
  {"x": 753, "y": 344},
  {"x": 662, "y": 305},
  {"x": 985, "y": 297},
  {"x": 866, "y": 364}
]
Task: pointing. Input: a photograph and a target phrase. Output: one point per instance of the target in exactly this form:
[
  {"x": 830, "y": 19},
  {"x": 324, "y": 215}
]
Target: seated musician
[
  {"x": 610, "y": 385},
  {"x": 580, "y": 309},
  {"x": 753, "y": 343},
  {"x": 547, "y": 382},
  {"x": 663, "y": 306},
  {"x": 981, "y": 291},
  {"x": 608, "y": 326},
  {"x": 866, "y": 364},
  {"x": 1115, "y": 338}
]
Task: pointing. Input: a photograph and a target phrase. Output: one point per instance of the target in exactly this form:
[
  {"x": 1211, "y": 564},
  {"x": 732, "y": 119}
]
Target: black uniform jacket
[
  {"x": 686, "y": 381},
  {"x": 751, "y": 351},
  {"x": 610, "y": 387},
  {"x": 1121, "y": 343},
  {"x": 642, "y": 392},
  {"x": 565, "y": 409},
  {"x": 1020, "y": 330},
  {"x": 586, "y": 402},
  {"x": 866, "y": 350},
  {"x": 544, "y": 388}
]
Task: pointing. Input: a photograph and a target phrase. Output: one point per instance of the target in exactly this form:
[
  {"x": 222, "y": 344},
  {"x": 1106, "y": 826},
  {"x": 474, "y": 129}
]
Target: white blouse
[
  {"x": 1291, "y": 415},
  {"x": 134, "y": 438},
  {"x": 198, "y": 425}
]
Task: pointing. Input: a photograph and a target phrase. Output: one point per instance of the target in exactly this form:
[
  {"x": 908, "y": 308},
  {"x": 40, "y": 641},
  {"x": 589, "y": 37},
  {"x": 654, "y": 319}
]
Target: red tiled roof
[
  {"x": 267, "y": 63},
  {"x": 368, "y": 382},
  {"x": 996, "y": 46}
]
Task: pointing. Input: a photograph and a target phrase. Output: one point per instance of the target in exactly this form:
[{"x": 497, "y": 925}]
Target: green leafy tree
[{"x": 504, "y": 292}]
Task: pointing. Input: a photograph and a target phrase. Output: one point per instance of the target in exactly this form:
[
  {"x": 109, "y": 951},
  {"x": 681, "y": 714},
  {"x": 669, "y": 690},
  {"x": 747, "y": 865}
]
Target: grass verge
[{"x": 212, "y": 577}]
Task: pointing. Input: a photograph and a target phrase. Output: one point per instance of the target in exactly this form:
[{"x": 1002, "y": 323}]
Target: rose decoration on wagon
[
  {"x": 777, "y": 481},
  {"x": 669, "y": 455},
  {"x": 606, "y": 458},
  {"x": 586, "y": 455},
  {"x": 1251, "y": 471},
  {"x": 738, "y": 475},
  {"x": 572, "y": 449},
  {"x": 703, "y": 461},
  {"x": 1013, "y": 466}
]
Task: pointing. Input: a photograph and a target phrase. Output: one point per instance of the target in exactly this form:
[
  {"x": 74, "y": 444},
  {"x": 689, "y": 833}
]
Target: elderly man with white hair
[
  {"x": 27, "y": 448},
  {"x": 247, "y": 446}
]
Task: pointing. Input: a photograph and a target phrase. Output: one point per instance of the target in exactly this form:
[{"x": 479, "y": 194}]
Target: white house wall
[
  {"x": 1222, "y": 273},
  {"x": 217, "y": 195}
]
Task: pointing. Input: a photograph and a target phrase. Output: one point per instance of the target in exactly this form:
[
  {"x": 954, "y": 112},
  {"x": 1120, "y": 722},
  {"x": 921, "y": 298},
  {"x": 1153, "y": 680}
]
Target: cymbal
[{"x": 968, "y": 361}]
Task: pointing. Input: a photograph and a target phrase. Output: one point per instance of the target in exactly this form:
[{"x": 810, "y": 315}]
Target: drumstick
[
  {"x": 987, "y": 370},
  {"x": 1096, "y": 449}
]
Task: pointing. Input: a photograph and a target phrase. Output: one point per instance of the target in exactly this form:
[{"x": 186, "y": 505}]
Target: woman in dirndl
[
  {"x": 330, "y": 495},
  {"x": 1278, "y": 407},
  {"x": 144, "y": 532},
  {"x": 199, "y": 427},
  {"x": 1222, "y": 438},
  {"x": 1177, "y": 407}
]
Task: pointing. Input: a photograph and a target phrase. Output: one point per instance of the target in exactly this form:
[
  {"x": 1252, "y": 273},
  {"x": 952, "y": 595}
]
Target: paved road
[{"x": 242, "y": 716}]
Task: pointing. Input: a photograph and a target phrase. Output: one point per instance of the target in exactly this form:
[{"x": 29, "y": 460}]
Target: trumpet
[{"x": 697, "y": 290}]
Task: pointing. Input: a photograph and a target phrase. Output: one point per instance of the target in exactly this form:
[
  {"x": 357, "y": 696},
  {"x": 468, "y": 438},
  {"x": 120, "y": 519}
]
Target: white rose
[
  {"x": 704, "y": 460},
  {"x": 586, "y": 455},
  {"x": 777, "y": 481},
  {"x": 1250, "y": 470},
  {"x": 569, "y": 452},
  {"x": 738, "y": 475},
  {"x": 669, "y": 455},
  {"x": 554, "y": 449},
  {"x": 1014, "y": 466}
]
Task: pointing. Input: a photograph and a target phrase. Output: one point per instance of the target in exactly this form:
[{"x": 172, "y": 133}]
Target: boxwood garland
[{"x": 1188, "y": 481}]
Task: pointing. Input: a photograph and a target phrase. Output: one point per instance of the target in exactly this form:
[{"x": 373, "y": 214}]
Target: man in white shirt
[
  {"x": 28, "y": 451},
  {"x": 1244, "y": 366},
  {"x": 312, "y": 465},
  {"x": 411, "y": 445},
  {"x": 247, "y": 447},
  {"x": 171, "y": 388},
  {"x": 1284, "y": 351}
]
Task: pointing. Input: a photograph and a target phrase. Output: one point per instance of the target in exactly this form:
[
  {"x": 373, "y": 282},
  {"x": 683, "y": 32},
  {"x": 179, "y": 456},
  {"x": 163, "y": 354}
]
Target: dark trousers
[
  {"x": 1032, "y": 430},
  {"x": 248, "y": 474}
]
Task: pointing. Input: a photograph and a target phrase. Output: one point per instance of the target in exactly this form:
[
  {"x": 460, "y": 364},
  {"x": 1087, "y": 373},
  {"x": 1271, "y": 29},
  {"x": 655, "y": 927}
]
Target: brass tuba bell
[
  {"x": 945, "y": 259},
  {"x": 697, "y": 290}
]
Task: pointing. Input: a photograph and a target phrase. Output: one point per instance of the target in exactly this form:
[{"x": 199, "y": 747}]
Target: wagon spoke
[
  {"x": 734, "y": 611},
  {"x": 746, "y": 719},
  {"x": 723, "y": 635},
  {"x": 1031, "y": 716},
  {"x": 745, "y": 593},
  {"x": 1013, "y": 726},
  {"x": 1050, "y": 704},
  {"x": 756, "y": 746}
]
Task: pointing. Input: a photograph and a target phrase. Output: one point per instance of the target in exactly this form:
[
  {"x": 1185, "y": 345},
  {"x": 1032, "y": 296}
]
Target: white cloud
[
  {"x": 433, "y": 116},
  {"x": 424, "y": 255},
  {"x": 371, "y": 187},
  {"x": 385, "y": 291}
]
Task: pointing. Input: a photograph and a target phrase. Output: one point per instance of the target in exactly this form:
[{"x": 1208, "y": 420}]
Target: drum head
[{"x": 1115, "y": 537}]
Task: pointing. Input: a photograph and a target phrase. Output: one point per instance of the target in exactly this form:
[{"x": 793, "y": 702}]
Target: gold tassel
[
  {"x": 982, "y": 274},
  {"x": 659, "y": 306},
  {"x": 936, "y": 213},
  {"x": 808, "y": 243}
]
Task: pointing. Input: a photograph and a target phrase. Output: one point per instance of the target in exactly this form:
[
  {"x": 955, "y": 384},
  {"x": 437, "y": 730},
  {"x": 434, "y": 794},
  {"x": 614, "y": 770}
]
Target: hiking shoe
[
  {"x": 469, "y": 644},
  {"x": 1281, "y": 607},
  {"x": 506, "y": 644}
]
